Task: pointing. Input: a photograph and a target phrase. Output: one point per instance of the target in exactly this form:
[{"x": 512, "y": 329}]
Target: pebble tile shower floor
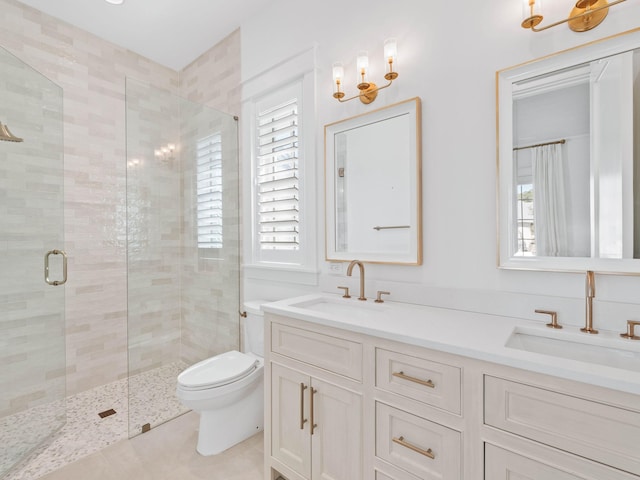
[{"x": 152, "y": 401}]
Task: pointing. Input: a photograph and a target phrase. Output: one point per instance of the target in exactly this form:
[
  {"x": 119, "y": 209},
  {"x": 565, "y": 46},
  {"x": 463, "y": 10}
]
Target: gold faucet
[
  {"x": 590, "y": 294},
  {"x": 350, "y": 270}
]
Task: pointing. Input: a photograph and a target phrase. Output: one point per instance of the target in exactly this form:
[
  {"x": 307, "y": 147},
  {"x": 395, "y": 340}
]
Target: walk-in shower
[
  {"x": 32, "y": 311},
  {"x": 182, "y": 272}
]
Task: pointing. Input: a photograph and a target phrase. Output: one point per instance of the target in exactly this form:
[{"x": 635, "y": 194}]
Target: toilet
[{"x": 227, "y": 390}]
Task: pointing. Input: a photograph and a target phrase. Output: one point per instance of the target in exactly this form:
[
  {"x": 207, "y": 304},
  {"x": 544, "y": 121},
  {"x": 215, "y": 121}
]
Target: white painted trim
[
  {"x": 298, "y": 68},
  {"x": 283, "y": 274}
]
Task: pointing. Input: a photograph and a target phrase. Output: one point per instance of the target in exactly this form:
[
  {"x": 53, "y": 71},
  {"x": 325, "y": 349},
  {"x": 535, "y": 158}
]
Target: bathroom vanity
[{"x": 359, "y": 391}]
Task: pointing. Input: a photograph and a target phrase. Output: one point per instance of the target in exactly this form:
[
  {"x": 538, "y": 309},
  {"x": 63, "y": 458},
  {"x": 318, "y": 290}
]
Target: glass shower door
[{"x": 32, "y": 315}]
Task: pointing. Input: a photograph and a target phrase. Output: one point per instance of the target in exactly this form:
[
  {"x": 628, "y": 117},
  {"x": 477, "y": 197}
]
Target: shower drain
[{"x": 107, "y": 413}]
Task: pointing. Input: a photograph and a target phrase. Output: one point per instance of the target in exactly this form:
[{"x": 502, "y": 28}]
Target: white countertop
[{"x": 474, "y": 335}]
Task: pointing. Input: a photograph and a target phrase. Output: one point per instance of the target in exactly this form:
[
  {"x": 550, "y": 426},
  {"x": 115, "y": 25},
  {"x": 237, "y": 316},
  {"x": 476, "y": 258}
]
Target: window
[
  {"x": 279, "y": 190},
  {"x": 277, "y": 176},
  {"x": 209, "y": 193},
  {"x": 525, "y": 221}
]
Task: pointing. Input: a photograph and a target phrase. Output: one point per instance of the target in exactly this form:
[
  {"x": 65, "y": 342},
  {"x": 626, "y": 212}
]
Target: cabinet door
[
  {"x": 290, "y": 439},
  {"x": 337, "y": 440}
]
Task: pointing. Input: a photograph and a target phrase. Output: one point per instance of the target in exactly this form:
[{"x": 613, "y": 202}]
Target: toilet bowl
[{"x": 227, "y": 390}]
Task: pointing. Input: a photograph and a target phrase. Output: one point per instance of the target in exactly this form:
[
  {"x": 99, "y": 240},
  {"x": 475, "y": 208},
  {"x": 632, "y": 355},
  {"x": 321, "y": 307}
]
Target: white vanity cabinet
[
  {"x": 345, "y": 406},
  {"x": 315, "y": 403},
  {"x": 389, "y": 410}
]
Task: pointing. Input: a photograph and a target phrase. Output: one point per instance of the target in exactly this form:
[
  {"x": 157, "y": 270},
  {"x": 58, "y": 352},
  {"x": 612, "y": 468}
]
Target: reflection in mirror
[
  {"x": 373, "y": 186},
  {"x": 569, "y": 182},
  {"x": 551, "y": 165}
]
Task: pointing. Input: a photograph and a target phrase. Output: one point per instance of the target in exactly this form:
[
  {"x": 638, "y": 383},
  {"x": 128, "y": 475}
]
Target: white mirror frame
[
  {"x": 413, "y": 256},
  {"x": 505, "y": 80}
]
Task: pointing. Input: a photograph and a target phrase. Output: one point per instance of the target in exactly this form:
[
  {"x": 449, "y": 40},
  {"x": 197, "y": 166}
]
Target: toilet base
[{"x": 224, "y": 427}]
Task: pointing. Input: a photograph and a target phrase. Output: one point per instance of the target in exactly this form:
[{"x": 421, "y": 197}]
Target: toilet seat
[{"x": 220, "y": 370}]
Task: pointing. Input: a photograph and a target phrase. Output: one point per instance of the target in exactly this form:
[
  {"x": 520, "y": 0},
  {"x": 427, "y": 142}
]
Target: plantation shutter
[
  {"x": 209, "y": 191},
  {"x": 277, "y": 176}
]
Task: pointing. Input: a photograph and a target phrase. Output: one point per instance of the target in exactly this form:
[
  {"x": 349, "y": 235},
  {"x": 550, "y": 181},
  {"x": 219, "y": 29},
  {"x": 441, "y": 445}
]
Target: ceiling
[{"x": 170, "y": 32}]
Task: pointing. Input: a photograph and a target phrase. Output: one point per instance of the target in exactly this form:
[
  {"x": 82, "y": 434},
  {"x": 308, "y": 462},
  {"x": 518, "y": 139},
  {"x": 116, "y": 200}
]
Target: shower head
[{"x": 7, "y": 136}]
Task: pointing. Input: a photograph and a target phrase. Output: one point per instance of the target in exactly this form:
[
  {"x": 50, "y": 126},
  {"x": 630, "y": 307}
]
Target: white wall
[{"x": 448, "y": 55}]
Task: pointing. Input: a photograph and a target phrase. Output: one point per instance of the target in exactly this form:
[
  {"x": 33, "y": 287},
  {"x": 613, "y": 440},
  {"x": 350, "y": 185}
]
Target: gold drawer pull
[
  {"x": 426, "y": 453},
  {"x": 426, "y": 383},
  {"x": 303, "y": 420},
  {"x": 312, "y": 423}
]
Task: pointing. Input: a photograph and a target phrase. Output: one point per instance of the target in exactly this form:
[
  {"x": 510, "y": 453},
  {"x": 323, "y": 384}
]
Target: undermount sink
[
  {"x": 612, "y": 352},
  {"x": 341, "y": 307}
]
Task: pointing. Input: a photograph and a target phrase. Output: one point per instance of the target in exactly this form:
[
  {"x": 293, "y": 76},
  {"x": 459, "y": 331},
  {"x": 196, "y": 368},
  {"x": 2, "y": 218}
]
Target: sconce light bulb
[
  {"x": 338, "y": 72},
  {"x": 338, "y": 75},
  {"x": 165, "y": 150},
  {"x": 391, "y": 58},
  {"x": 171, "y": 147},
  {"x": 157, "y": 153},
  {"x": 362, "y": 62},
  {"x": 390, "y": 50}
]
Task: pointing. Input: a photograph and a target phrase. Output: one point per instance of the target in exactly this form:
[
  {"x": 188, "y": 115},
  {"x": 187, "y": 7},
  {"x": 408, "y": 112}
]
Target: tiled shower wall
[
  {"x": 212, "y": 80},
  {"x": 92, "y": 74},
  {"x": 210, "y": 277},
  {"x": 153, "y": 227}
]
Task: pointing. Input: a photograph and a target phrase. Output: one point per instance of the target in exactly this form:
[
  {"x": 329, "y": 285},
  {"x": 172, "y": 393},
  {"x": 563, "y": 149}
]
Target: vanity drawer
[
  {"x": 593, "y": 430},
  {"x": 423, "y": 448},
  {"x": 501, "y": 463},
  {"x": 334, "y": 354},
  {"x": 399, "y": 475},
  {"x": 421, "y": 379}
]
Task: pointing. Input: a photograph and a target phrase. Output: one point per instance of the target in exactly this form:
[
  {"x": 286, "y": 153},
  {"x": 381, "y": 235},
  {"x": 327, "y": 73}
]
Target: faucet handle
[
  {"x": 554, "y": 318},
  {"x": 630, "y": 334},
  {"x": 379, "y": 297},
  {"x": 346, "y": 292}
]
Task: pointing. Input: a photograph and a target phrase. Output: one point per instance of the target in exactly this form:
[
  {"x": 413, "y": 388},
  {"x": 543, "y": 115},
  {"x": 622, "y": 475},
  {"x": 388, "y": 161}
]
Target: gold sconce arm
[
  {"x": 366, "y": 96},
  {"x": 581, "y": 19}
]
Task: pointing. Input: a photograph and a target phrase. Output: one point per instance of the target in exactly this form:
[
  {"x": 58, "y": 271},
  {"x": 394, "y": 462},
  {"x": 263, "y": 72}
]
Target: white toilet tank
[{"x": 253, "y": 328}]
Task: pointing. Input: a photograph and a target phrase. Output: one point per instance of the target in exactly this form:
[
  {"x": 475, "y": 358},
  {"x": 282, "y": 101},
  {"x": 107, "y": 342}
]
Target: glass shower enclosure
[
  {"x": 32, "y": 303},
  {"x": 183, "y": 242}
]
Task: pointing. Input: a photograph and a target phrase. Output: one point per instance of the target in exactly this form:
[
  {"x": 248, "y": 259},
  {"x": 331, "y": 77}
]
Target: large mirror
[
  {"x": 373, "y": 186},
  {"x": 569, "y": 160}
]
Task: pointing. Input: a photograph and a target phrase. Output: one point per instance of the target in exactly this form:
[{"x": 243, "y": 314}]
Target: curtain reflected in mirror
[{"x": 541, "y": 206}]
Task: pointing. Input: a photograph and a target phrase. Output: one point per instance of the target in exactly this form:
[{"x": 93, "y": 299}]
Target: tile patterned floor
[
  {"x": 168, "y": 452},
  {"x": 151, "y": 400}
]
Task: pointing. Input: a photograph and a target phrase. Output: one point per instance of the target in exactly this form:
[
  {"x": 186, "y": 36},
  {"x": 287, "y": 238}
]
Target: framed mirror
[
  {"x": 373, "y": 197},
  {"x": 569, "y": 160}
]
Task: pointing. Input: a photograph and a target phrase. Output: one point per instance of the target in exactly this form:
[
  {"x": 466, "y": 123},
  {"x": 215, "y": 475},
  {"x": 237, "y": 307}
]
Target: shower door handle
[{"x": 64, "y": 268}]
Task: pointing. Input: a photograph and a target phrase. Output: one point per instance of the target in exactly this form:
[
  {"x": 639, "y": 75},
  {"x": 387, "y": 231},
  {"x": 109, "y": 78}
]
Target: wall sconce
[
  {"x": 166, "y": 152},
  {"x": 586, "y": 14},
  {"x": 368, "y": 90}
]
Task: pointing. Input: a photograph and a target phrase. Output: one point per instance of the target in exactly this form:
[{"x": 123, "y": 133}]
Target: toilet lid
[{"x": 219, "y": 370}]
